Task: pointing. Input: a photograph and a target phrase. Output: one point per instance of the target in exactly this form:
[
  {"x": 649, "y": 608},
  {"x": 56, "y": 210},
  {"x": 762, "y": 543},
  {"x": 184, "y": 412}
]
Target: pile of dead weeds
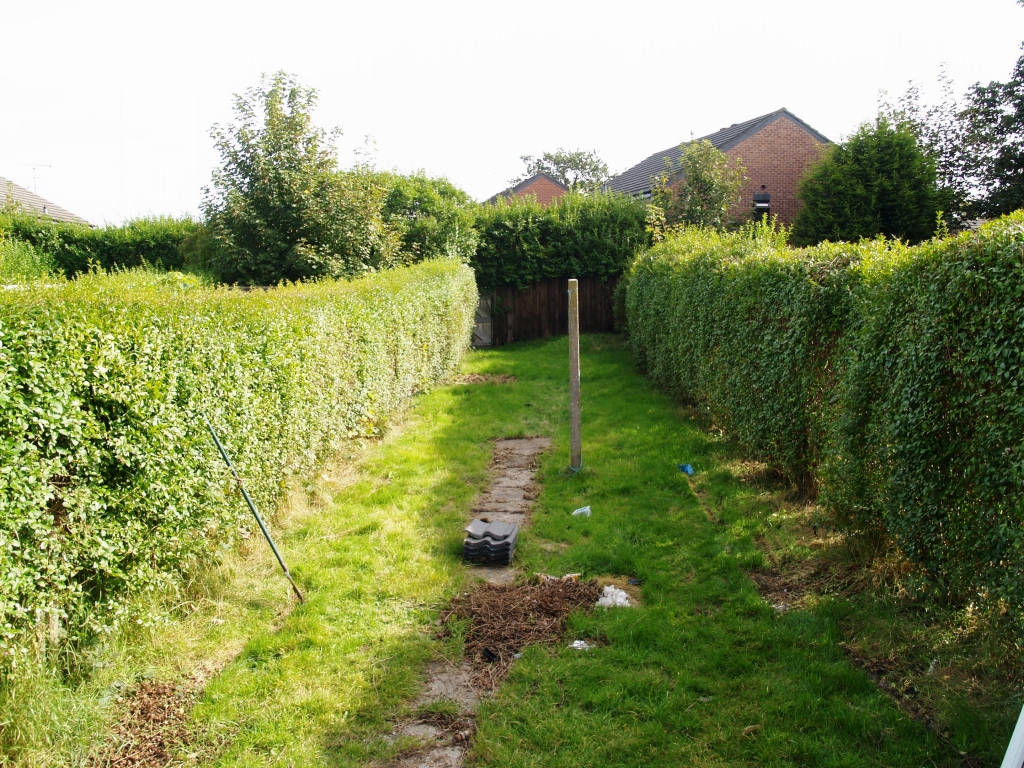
[
  {"x": 152, "y": 726},
  {"x": 505, "y": 618},
  {"x": 486, "y": 378}
]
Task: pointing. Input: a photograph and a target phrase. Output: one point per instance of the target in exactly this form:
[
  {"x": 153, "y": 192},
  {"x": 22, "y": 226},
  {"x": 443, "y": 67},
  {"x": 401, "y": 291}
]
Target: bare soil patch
[
  {"x": 504, "y": 619},
  {"x": 450, "y": 681},
  {"x": 432, "y": 757},
  {"x": 786, "y": 588},
  {"x": 795, "y": 582}
]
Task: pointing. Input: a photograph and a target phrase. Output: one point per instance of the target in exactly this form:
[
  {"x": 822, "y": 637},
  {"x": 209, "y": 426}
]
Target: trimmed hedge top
[
  {"x": 889, "y": 377},
  {"x": 75, "y": 248},
  {"x": 522, "y": 242},
  {"x": 109, "y": 484}
]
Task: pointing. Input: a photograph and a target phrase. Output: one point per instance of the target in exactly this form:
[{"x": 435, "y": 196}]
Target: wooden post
[{"x": 576, "y": 460}]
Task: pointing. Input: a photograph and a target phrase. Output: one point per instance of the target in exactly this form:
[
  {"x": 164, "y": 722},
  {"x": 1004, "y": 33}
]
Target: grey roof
[
  {"x": 523, "y": 185},
  {"x": 637, "y": 180},
  {"x": 30, "y": 202}
]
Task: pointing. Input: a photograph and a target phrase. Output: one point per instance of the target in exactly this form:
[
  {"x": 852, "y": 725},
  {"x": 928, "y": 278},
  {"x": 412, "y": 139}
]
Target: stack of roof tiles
[{"x": 489, "y": 542}]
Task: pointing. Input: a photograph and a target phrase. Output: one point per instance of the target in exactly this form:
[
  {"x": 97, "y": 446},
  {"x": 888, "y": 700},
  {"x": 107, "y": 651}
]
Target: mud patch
[
  {"x": 486, "y": 378},
  {"x": 504, "y": 619}
]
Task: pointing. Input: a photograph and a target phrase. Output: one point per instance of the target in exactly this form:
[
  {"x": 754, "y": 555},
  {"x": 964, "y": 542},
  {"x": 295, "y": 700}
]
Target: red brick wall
[
  {"x": 546, "y": 191},
  {"x": 778, "y": 157}
]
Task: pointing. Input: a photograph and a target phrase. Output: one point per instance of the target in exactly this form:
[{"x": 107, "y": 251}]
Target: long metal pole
[
  {"x": 252, "y": 507},
  {"x": 576, "y": 438}
]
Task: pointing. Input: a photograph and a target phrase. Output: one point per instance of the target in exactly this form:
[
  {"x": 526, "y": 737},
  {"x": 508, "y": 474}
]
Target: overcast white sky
[{"x": 116, "y": 99}]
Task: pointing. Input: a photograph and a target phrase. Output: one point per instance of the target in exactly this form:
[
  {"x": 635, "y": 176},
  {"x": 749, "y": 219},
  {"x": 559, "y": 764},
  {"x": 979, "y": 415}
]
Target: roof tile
[{"x": 33, "y": 203}]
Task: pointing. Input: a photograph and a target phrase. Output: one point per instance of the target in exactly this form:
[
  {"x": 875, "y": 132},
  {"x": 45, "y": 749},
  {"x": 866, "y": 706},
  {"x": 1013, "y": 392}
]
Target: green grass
[
  {"x": 705, "y": 659},
  {"x": 681, "y": 680}
]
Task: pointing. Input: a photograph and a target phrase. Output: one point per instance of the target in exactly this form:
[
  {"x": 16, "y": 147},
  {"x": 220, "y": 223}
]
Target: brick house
[
  {"x": 546, "y": 189},
  {"x": 776, "y": 150}
]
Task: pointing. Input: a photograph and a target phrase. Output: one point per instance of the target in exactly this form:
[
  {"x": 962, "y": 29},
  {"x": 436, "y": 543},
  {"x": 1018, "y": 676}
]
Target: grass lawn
[{"x": 703, "y": 673}]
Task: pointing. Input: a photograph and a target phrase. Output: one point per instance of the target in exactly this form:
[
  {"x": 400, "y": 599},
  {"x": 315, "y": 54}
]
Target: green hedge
[
  {"x": 72, "y": 248},
  {"x": 522, "y": 242},
  {"x": 109, "y": 485},
  {"x": 889, "y": 377},
  {"x": 384, "y": 220},
  {"x": 432, "y": 217},
  {"x": 20, "y": 261}
]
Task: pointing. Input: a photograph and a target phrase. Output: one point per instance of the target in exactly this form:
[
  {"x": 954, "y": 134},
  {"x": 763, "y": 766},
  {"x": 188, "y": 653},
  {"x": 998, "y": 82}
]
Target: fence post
[{"x": 576, "y": 460}]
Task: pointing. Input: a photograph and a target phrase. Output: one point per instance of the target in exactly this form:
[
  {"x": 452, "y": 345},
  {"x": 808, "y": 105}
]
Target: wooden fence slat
[{"x": 538, "y": 311}]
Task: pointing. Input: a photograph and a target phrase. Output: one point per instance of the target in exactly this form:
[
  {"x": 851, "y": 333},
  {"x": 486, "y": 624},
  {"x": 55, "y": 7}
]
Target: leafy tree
[
  {"x": 432, "y": 217},
  {"x": 877, "y": 182},
  {"x": 995, "y": 116},
  {"x": 580, "y": 171},
  {"x": 278, "y": 207},
  {"x": 977, "y": 143},
  {"x": 944, "y": 133},
  {"x": 708, "y": 186}
]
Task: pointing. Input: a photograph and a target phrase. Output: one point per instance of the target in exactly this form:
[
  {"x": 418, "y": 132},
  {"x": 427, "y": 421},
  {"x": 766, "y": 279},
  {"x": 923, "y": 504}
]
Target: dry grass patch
[{"x": 485, "y": 378}]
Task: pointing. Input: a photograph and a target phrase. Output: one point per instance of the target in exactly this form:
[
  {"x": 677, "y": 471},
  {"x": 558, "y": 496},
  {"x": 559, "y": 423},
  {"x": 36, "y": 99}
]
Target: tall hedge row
[
  {"x": 74, "y": 248},
  {"x": 889, "y": 377},
  {"x": 109, "y": 484},
  {"x": 522, "y": 242}
]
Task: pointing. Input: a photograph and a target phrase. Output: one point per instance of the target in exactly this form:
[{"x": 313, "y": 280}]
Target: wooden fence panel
[{"x": 540, "y": 310}]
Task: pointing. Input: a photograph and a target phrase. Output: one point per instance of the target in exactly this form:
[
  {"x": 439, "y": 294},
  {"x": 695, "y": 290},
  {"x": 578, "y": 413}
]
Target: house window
[{"x": 762, "y": 204}]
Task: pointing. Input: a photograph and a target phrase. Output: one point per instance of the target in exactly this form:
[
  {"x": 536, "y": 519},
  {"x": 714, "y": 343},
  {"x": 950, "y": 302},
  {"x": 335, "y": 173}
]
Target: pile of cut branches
[{"x": 505, "y": 618}]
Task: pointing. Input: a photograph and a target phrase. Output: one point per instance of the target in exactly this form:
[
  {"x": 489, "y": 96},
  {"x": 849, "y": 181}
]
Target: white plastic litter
[
  {"x": 613, "y": 597},
  {"x": 580, "y": 645},
  {"x": 547, "y": 578},
  {"x": 582, "y": 512}
]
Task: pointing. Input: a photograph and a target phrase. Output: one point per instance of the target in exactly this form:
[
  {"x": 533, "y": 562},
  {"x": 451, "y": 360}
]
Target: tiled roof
[
  {"x": 30, "y": 202},
  {"x": 637, "y": 180},
  {"x": 523, "y": 185}
]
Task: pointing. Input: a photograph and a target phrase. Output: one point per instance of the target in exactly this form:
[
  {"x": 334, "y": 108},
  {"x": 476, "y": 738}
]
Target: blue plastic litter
[{"x": 686, "y": 469}]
